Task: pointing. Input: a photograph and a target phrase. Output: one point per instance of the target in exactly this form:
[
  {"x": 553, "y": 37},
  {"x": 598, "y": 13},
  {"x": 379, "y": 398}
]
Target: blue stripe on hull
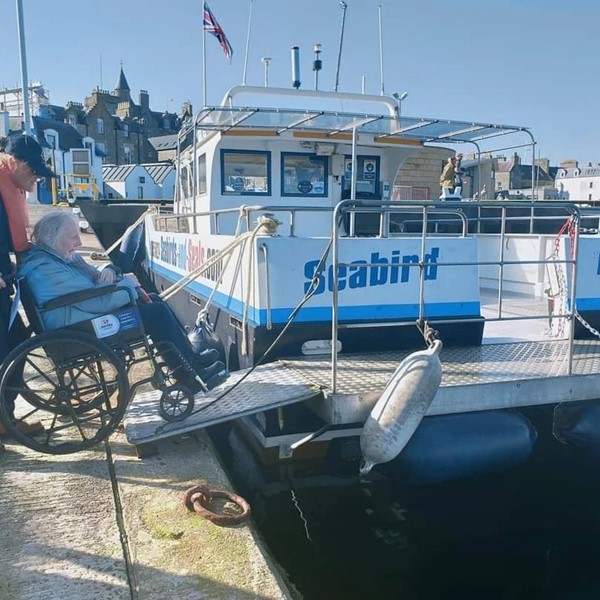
[{"x": 374, "y": 312}]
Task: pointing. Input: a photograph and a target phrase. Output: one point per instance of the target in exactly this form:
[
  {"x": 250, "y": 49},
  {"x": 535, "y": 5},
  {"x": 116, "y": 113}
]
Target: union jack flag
[{"x": 211, "y": 25}]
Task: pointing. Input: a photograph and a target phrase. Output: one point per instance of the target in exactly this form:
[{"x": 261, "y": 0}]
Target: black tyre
[
  {"x": 74, "y": 384},
  {"x": 176, "y": 403}
]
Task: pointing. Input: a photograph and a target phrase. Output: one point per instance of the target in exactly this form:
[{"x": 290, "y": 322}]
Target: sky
[{"x": 532, "y": 63}]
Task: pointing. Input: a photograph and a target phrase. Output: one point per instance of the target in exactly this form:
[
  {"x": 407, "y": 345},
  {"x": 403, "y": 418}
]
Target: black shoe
[
  {"x": 217, "y": 379},
  {"x": 212, "y": 370},
  {"x": 207, "y": 357}
]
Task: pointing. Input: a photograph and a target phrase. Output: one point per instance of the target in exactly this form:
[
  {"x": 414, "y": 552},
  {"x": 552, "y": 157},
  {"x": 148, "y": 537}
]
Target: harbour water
[{"x": 530, "y": 533}]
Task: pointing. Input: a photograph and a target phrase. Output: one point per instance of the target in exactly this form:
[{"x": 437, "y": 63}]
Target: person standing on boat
[
  {"x": 450, "y": 177},
  {"x": 21, "y": 167},
  {"x": 53, "y": 268}
]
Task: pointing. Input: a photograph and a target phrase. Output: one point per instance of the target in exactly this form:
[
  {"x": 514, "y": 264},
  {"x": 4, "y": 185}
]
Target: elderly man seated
[{"x": 53, "y": 268}]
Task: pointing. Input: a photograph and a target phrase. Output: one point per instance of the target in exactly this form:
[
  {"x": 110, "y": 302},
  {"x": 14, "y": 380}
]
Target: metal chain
[{"x": 569, "y": 228}]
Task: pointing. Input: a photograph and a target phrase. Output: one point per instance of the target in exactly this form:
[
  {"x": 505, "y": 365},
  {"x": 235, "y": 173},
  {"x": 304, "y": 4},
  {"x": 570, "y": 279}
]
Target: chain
[{"x": 429, "y": 334}]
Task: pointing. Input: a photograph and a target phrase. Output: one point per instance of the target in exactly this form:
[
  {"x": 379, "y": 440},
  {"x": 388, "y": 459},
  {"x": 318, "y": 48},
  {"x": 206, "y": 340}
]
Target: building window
[
  {"x": 126, "y": 129},
  {"x": 589, "y": 196},
  {"x": 202, "y": 174},
  {"x": 140, "y": 192},
  {"x": 72, "y": 120},
  {"x": 245, "y": 172},
  {"x": 591, "y": 184},
  {"x": 303, "y": 174},
  {"x": 51, "y": 139},
  {"x": 142, "y": 180},
  {"x": 100, "y": 126},
  {"x": 127, "y": 155}
]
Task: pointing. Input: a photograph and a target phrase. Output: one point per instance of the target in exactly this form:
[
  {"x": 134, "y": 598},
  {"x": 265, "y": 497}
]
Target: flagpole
[
  {"x": 203, "y": 56},
  {"x": 381, "y": 52},
  {"x": 248, "y": 43}
]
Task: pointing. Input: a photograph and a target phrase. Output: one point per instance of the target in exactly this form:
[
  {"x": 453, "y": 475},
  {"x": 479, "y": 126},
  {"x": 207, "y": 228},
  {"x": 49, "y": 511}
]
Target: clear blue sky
[{"x": 519, "y": 62}]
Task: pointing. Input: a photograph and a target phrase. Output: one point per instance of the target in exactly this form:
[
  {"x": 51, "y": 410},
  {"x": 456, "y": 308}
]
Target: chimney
[
  {"x": 569, "y": 164},
  {"x": 516, "y": 159},
  {"x": 543, "y": 163},
  {"x": 144, "y": 101}
]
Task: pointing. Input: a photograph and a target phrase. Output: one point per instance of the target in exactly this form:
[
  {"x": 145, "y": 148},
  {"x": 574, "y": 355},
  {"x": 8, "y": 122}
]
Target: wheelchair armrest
[{"x": 76, "y": 297}]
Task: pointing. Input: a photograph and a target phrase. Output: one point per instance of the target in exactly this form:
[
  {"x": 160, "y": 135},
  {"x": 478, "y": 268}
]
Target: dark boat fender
[
  {"x": 578, "y": 423},
  {"x": 132, "y": 251},
  {"x": 449, "y": 447}
]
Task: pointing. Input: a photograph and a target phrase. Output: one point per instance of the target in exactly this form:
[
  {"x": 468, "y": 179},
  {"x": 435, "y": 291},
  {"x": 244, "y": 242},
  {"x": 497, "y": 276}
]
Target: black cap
[{"x": 25, "y": 148}]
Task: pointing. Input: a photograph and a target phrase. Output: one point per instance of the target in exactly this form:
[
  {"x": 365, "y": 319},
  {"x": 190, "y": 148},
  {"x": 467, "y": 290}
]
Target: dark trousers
[
  {"x": 162, "y": 325},
  {"x": 10, "y": 339}
]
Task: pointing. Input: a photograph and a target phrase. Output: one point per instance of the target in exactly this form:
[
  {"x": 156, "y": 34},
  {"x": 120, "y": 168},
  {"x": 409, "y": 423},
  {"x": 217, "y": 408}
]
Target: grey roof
[
  {"x": 122, "y": 82},
  {"x": 579, "y": 171},
  {"x": 159, "y": 171},
  {"x": 116, "y": 172},
  {"x": 164, "y": 142},
  {"x": 68, "y": 137}
]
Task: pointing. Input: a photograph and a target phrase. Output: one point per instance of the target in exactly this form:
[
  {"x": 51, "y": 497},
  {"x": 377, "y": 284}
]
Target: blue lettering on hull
[{"x": 378, "y": 271}]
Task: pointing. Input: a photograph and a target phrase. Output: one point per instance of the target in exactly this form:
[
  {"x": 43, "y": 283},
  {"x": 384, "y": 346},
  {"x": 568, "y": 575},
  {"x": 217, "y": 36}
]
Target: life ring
[{"x": 197, "y": 498}]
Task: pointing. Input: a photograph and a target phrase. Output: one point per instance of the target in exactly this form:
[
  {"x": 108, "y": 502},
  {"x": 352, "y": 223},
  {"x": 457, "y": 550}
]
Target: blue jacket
[{"x": 50, "y": 276}]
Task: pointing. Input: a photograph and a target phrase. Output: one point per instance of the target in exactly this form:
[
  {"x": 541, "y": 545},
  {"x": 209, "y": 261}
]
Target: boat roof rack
[{"x": 417, "y": 129}]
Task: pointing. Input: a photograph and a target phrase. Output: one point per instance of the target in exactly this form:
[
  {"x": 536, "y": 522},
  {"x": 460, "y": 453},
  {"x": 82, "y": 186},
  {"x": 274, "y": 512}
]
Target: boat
[{"x": 286, "y": 249}]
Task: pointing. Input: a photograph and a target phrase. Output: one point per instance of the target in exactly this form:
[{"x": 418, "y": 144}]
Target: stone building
[{"x": 121, "y": 127}]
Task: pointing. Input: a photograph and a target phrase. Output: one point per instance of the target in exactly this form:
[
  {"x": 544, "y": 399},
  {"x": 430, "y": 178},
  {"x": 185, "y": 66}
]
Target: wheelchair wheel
[
  {"x": 176, "y": 403},
  {"x": 74, "y": 384},
  {"x": 168, "y": 376}
]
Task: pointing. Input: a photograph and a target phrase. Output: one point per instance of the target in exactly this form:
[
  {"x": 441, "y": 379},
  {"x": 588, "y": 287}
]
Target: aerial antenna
[
  {"x": 381, "y": 51},
  {"x": 317, "y": 65},
  {"x": 101, "y": 86},
  {"x": 247, "y": 43},
  {"x": 343, "y": 6}
]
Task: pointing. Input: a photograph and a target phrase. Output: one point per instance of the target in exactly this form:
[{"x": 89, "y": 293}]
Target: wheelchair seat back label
[{"x": 111, "y": 324}]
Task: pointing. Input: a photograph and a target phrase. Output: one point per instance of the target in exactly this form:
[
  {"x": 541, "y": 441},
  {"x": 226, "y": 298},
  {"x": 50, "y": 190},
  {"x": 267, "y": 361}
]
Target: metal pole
[
  {"x": 343, "y": 6},
  {"x": 203, "y": 58},
  {"x": 24, "y": 76},
  {"x": 247, "y": 43},
  {"x": 381, "y": 52}
]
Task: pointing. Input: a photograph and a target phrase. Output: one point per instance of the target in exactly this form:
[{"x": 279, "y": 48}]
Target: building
[
  {"x": 154, "y": 181},
  {"x": 120, "y": 127},
  {"x": 578, "y": 183},
  {"x": 512, "y": 175}
]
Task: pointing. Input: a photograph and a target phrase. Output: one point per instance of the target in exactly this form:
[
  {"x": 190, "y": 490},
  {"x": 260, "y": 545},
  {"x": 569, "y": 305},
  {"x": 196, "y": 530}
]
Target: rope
[
  {"x": 217, "y": 257},
  {"x": 104, "y": 255}
]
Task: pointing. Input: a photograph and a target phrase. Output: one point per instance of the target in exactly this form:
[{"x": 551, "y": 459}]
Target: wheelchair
[{"x": 75, "y": 380}]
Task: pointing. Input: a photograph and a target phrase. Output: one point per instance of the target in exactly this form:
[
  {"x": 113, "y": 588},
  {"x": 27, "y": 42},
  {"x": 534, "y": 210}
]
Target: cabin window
[
  {"x": 303, "y": 174},
  {"x": 367, "y": 177},
  {"x": 202, "y": 174},
  {"x": 245, "y": 172}
]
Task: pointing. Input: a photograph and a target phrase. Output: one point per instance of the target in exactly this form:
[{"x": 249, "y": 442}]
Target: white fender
[{"x": 401, "y": 407}]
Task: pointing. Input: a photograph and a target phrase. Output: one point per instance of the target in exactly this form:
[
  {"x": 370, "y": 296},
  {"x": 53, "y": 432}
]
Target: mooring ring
[{"x": 197, "y": 497}]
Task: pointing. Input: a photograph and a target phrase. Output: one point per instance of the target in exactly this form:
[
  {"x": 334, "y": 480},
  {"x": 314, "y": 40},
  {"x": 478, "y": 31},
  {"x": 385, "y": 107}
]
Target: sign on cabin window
[
  {"x": 245, "y": 172},
  {"x": 303, "y": 174},
  {"x": 367, "y": 177}
]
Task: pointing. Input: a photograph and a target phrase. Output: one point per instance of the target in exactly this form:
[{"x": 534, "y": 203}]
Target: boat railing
[{"x": 570, "y": 214}]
